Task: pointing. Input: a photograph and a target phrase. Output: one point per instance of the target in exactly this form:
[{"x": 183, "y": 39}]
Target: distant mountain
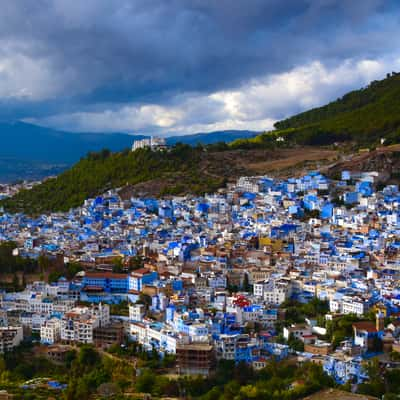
[
  {"x": 32, "y": 143},
  {"x": 27, "y": 142},
  {"x": 361, "y": 117},
  {"x": 211, "y": 137},
  {"x": 12, "y": 170},
  {"x": 29, "y": 151}
]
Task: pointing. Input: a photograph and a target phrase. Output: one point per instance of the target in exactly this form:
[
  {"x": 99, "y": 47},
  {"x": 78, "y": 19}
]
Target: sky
[{"x": 168, "y": 67}]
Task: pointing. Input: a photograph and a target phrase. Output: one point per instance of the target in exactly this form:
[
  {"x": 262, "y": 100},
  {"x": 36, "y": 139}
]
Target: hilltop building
[{"x": 155, "y": 143}]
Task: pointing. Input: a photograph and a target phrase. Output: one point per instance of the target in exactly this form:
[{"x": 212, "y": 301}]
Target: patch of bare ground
[
  {"x": 334, "y": 394},
  {"x": 145, "y": 189},
  {"x": 385, "y": 160},
  {"x": 227, "y": 166},
  {"x": 293, "y": 157}
]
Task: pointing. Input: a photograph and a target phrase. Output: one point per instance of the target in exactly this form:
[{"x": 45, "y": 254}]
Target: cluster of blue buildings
[{"x": 214, "y": 272}]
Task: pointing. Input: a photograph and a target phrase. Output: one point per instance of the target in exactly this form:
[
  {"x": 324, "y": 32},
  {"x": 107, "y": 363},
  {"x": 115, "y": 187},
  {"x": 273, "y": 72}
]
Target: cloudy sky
[{"x": 183, "y": 66}]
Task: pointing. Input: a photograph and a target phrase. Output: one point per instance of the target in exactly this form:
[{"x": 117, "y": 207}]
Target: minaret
[
  {"x": 380, "y": 321},
  {"x": 145, "y": 249}
]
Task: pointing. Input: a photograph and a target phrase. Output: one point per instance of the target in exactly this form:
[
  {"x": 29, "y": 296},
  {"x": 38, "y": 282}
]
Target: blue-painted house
[
  {"x": 141, "y": 277},
  {"x": 105, "y": 281}
]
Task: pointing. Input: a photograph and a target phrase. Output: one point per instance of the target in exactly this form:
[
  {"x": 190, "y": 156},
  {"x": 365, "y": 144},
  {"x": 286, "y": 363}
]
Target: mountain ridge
[
  {"x": 32, "y": 152},
  {"x": 363, "y": 117},
  {"x": 360, "y": 118}
]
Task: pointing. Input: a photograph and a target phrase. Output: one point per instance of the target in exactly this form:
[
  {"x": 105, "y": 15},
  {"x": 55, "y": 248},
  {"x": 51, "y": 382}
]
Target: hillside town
[
  {"x": 11, "y": 189},
  {"x": 305, "y": 268}
]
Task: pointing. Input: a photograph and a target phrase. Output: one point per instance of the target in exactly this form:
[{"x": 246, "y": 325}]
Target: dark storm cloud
[{"x": 82, "y": 55}]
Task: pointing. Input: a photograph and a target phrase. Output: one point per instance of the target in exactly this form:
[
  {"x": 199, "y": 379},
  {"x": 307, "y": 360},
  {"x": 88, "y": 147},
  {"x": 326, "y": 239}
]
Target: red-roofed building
[{"x": 367, "y": 334}]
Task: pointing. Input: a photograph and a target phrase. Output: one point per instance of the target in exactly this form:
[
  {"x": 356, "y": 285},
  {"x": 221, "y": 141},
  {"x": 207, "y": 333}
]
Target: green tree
[
  {"x": 44, "y": 263},
  {"x": 54, "y": 276},
  {"x": 136, "y": 262},
  {"x": 88, "y": 356},
  {"x": 72, "y": 269},
  {"x": 145, "y": 381},
  {"x": 375, "y": 386},
  {"x": 295, "y": 344},
  {"x": 118, "y": 266},
  {"x": 144, "y": 299}
]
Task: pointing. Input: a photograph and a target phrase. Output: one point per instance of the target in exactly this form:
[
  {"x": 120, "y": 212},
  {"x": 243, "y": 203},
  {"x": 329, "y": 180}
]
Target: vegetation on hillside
[
  {"x": 24, "y": 373},
  {"x": 362, "y": 116},
  {"x": 102, "y": 171},
  {"x": 11, "y": 264},
  {"x": 127, "y": 372},
  {"x": 16, "y": 271}
]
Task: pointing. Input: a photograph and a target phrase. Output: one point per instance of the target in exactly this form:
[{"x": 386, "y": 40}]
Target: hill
[
  {"x": 183, "y": 169},
  {"x": 30, "y": 152},
  {"x": 24, "y": 141},
  {"x": 362, "y": 116},
  {"x": 28, "y": 142},
  {"x": 102, "y": 171}
]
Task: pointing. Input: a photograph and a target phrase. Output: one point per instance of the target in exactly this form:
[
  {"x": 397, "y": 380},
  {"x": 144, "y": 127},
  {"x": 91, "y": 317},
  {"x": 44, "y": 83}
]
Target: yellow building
[{"x": 274, "y": 244}]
